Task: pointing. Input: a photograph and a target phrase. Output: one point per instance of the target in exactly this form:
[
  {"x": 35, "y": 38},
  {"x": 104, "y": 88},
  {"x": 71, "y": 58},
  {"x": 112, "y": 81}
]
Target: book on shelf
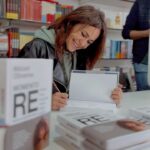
[
  {"x": 25, "y": 93},
  {"x": 45, "y": 11},
  {"x": 3, "y": 44},
  {"x": 112, "y": 135},
  {"x": 26, "y": 135},
  {"x": 13, "y": 41},
  {"x": 99, "y": 93},
  {"x": 12, "y": 9},
  {"x": 25, "y": 38},
  {"x": 118, "y": 49}
]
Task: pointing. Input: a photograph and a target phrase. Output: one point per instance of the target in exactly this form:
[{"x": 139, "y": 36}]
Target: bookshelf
[{"x": 19, "y": 20}]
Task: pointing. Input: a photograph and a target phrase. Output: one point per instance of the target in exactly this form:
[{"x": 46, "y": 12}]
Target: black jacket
[{"x": 39, "y": 48}]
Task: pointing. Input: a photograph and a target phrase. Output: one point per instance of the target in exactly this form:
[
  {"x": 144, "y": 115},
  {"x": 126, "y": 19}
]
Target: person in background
[
  {"x": 74, "y": 41},
  {"x": 137, "y": 27}
]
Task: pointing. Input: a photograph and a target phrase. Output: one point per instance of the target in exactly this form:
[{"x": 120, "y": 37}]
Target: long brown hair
[{"x": 87, "y": 15}]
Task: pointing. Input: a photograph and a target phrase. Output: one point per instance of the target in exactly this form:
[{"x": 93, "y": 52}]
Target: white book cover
[
  {"x": 92, "y": 89},
  {"x": 33, "y": 134},
  {"x": 75, "y": 121},
  {"x": 25, "y": 89},
  {"x": 112, "y": 135}
]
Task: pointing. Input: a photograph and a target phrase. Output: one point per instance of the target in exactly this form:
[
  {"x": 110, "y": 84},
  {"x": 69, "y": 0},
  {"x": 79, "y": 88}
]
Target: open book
[{"x": 92, "y": 89}]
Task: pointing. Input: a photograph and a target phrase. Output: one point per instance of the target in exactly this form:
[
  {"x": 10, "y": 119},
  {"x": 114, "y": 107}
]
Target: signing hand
[{"x": 59, "y": 100}]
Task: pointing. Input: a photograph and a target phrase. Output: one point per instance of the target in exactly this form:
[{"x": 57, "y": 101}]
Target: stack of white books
[
  {"x": 25, "y": 103},
  {"x": 103, "y": 131},
  {"x": 71, "y": 124}
]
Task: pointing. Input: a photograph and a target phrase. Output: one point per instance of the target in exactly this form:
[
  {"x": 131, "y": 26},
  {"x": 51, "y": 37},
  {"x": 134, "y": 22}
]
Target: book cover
[
  {"x": 33, "y": 134},
  {"x": 76, "y": 120},
  {"x": 25, "y": 92},
  {"x": 112, "y": 135}
]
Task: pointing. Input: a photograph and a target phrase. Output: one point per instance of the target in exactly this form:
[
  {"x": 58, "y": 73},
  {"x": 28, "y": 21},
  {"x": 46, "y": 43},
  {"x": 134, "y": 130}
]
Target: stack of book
[
  {"x": 71, "y": 124},
  {"x": 25, "y": 103},
  {"x": 104, "y": 131}
]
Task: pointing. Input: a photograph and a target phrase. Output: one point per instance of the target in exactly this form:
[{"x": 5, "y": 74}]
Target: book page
[{"x": 92, "y": 88}]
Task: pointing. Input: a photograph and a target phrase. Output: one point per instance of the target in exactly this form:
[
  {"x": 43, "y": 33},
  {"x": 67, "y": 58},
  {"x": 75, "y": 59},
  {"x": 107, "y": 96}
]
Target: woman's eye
[{"x": 83, "y": 34}]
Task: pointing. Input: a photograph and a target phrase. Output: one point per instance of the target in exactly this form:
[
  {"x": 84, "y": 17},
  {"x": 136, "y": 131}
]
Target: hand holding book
[{"x": 116, "y": 94}]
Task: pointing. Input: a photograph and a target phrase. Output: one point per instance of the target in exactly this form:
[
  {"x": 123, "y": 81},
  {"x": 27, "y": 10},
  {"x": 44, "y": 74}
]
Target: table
[{"x": 130, "y": 100}]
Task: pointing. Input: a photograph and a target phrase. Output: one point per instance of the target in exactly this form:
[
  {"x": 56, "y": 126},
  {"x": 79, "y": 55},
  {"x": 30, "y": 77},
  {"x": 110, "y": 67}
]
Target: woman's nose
[{"x": 83, "y": 43}]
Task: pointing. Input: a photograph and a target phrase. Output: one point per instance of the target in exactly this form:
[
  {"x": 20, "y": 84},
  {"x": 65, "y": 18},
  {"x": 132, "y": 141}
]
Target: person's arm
[
  {"x": 135, "y": 35},
  {"x": 131, "y": 21}
]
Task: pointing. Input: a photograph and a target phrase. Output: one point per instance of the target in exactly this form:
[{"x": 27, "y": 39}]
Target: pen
[{"x": 56, "y": 87}]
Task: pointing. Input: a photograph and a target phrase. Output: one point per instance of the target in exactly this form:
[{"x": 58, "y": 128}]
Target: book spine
[
  {"x": 63, "y": 141},
  {"x": 68, "y": 125},
  {"x": 74, "y": 138}
]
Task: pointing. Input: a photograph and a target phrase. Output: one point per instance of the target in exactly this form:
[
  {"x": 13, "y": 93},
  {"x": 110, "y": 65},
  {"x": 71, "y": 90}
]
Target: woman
[{"x": 75, "y": 41}]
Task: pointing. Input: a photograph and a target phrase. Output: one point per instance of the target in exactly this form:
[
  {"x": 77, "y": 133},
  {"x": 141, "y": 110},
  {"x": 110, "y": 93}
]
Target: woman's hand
[
  {"x": 59, "y": 100},
  {"x": 117, "y": 94}
]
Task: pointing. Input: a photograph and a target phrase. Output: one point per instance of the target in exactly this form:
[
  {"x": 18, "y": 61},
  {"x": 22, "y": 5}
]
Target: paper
[{"x": 92, "y": 89}]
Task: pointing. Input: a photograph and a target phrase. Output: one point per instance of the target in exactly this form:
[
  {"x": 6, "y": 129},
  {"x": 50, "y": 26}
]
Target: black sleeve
[
  {"x": 37, "y": 48},
  {"x": 131, "y": 21}
]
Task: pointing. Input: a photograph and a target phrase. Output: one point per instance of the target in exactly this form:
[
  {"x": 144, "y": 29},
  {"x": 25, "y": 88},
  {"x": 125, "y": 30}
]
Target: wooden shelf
[{"x": 21, "y": 23}]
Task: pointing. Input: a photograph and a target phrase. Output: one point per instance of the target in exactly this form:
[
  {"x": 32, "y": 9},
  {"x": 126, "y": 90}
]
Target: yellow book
[
  {"x": 25, "y": 39},
  {"x": 12, "y": 15}
]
